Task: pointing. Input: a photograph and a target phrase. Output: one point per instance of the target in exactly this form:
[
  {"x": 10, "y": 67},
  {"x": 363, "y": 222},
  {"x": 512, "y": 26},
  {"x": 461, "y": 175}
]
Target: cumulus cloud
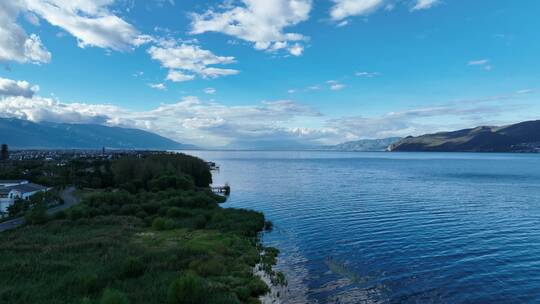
[
  {"x": 184, "y": 61},
  {"x": 343, "y": 9},
  {"x": 346, "y": 8},
  {"x": 416, "y": 121},
  {"x": 189, "y": 120},
  {"x": 158, "y": 86},
  {"x": 10, "y": 87},
  {"x": 335, "y": 85},
  {"x": 260, "y": 22},
  {"x": 91, "y": 22},
  {"x": 210, "y": 91},
  {"x": 425, "y": 4},
  {"x": 15, "y": 44},
  {"x": 484, "y": 63},
  {"x": 46, "y": 109},
  {"x": 367, "y": 74}
]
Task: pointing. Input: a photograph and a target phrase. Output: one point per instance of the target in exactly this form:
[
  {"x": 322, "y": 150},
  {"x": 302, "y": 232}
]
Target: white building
[
  {"x": 12, "y": 182},
  {"x": 22, "y": 190}
]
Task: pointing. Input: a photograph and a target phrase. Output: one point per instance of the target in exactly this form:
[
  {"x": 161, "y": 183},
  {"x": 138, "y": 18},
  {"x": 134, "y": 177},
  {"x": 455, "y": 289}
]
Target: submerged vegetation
[{"x": 153, "y": 234}]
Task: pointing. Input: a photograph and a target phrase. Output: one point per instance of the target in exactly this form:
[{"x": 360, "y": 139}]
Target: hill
[
  {"x": 365, "y": 145},
  {"x": 520, "y": 137},
  {"x": 25, "y": 134}
]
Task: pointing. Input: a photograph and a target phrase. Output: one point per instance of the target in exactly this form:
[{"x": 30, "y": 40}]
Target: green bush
[
  {"x": 111, "y": 296},
  {"x": 258, "y": 288},
  {"x": 206, "y": 268},
  {"x": 133, "y": 267},
  {"x": 88, "y": 283},
  {"x": 160, "y": 223},
  {"x": 86, "y": 300},
  {"x": 188, "y": 289},
  {"x": 151, "y": 208},
  {"x": 177, "y": 212},
  {"x": 223, "y": 299},
  {"x": 37, "y": 215}
]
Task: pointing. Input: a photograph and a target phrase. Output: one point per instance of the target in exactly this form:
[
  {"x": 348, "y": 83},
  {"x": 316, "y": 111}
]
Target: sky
[{"x": 263, "y": 73}]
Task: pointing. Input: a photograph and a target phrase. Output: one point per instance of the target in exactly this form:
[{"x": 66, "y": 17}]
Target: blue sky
[{"x": 285, "y": 72}]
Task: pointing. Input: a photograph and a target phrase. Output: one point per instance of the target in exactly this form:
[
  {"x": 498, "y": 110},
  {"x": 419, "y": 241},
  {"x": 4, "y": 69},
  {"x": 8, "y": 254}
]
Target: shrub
[
  {"x": 188, "y": 289},
  {"x": 132, "y": 267},
  {"x": 224, "y": 299},
  {"x": 111, "y": 296},
  {"x": 160, "y": 223},
  {"x": 78, "y": 212},
  {"x": 243, "y": 292},
  {"x": 141, "y": 214},
  {"x": 130, "y": 209},
  {"x": 88, "y": 283},
  {"x": 37, "y": 214},
  {"x": 60, "y": 215},
  {"x": 212, "y": 267},
  {"x": 268, "y": 226},
  {"x": 151, "y": 208},
  {"x": 258, "y": 288},
  {"x": 200, "y": 222},
  {"x": 86, "y": 300},
  {"x": 176, "y": 212}
]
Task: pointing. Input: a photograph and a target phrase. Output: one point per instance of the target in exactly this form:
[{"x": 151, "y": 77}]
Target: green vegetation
[
  {"x": 157, "y": 236},
  {"x": 36, "y": 206}
]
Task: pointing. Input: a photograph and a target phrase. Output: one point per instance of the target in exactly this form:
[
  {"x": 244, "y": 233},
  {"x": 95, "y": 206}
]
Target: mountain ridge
[
  {"x": 519, "y": 137},
  {"x": 25, "y": 134},
  {"x": 364, "y": 145}
]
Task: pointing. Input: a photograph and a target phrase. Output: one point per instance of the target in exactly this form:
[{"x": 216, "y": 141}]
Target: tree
[{"x": 4, "y": 154}]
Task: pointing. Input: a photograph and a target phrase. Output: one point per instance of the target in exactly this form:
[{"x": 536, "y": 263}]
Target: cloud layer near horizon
[{"x": 205, "y": 123}]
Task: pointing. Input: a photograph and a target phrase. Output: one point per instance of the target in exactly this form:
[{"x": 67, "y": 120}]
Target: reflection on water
[{"x": 399, "y": 227}]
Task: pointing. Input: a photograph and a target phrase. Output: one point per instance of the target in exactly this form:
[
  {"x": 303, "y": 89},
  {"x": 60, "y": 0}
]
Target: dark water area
[{"x": 395, "y": 227}]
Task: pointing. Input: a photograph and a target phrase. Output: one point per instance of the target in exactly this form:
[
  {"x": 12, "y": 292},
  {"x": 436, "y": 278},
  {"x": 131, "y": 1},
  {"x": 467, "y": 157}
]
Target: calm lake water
[{"x": 393, "y": 227}]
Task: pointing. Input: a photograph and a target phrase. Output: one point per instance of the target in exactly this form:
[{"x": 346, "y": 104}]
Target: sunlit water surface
[{"x": 393, "y": 227}]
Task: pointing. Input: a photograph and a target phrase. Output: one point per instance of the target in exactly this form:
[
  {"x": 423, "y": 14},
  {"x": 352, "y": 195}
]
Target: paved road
[{"x": 67, "y": 196}]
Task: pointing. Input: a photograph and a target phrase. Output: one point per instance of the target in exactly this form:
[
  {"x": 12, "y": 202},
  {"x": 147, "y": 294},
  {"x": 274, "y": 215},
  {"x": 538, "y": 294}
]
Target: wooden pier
[{"x": 222, "y": 190}]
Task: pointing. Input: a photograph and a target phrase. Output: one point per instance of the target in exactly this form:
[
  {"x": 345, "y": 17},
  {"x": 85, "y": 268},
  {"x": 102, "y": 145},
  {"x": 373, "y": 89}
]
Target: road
[{"x": 69, "y": 201}]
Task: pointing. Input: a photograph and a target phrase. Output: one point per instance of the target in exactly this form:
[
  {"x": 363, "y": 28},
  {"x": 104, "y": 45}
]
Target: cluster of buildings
[
  {"x": 12, "y": 190},
  {"x": 62, "y": 156}
]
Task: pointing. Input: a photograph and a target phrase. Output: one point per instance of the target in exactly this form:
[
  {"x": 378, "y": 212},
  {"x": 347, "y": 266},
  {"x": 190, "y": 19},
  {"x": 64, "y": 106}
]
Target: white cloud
[
  {"x": 346, "y": 8},
  {"x": 190, "y": 120},
  {"x": 367, "y": 74},
  {"x": 46, "y": 109},
  {"x": 207, "y": 123},
  {"x": 210, "y": 91},
  {"x": 15, "y": 44},
  {"x": 10, "y": 87},
  {"x": 184, "y": 61},
  {"x": 261, "y": 22},
  {"x": 177, "y": 76},
  {"x": 484, "y": 63},
  {"x": 479, "y": 62},
  {"x": 335, "y": 85},
  {"x": 425, "y": 4},
  {"x": 525, "y": 91},
  {"x": 343, "y": 9},
  {"x": 158, "y": 86},
  {"x": 91, "y": 22}
]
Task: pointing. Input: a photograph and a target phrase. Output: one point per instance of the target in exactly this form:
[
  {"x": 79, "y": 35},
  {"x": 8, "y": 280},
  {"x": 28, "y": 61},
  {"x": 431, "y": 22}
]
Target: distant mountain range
[
  {"x": 364, "y": 145},
  {"x": 25, "y": 134},
  {"x": 521, "y": 137}
]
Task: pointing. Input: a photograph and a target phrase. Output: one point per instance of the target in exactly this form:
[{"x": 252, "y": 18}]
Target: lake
[{"x": 395, "y": 227}]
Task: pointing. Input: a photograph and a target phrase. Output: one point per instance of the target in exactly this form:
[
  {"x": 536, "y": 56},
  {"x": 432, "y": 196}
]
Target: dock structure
[
  {"x": 222, "y": 190},
  {"x": 213, "y": 166}
]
